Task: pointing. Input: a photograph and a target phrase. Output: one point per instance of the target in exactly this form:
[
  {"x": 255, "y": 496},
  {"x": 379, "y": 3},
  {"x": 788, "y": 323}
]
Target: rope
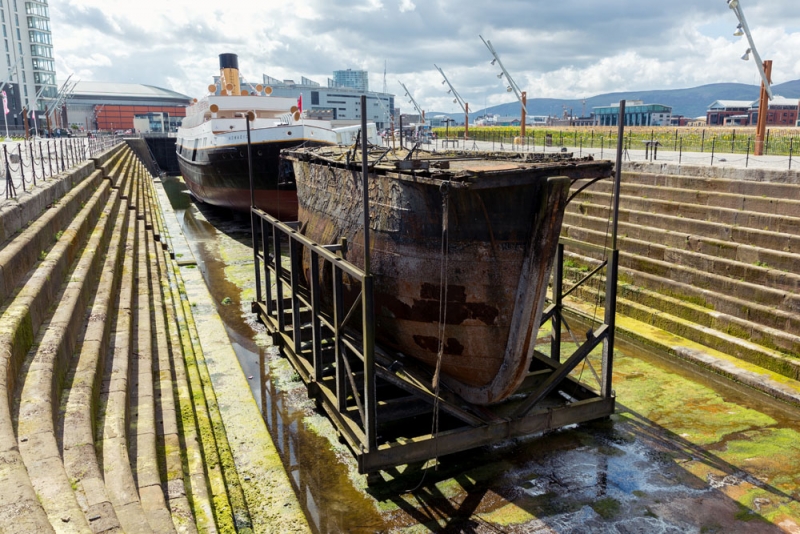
[{"x": 436, "y": 383}]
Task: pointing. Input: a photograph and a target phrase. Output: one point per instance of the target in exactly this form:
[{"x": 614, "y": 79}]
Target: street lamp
[
  {"x": 512, "y": 85},
  {"x": 457, "y": 100},
  {"x": 764, "y": 69}
]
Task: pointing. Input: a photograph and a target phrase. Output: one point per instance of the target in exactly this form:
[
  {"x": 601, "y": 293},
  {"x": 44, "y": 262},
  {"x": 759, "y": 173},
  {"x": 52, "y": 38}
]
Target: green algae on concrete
[
  {"x": 268, "y": 493},
  {"x": 691, "y": 410}
]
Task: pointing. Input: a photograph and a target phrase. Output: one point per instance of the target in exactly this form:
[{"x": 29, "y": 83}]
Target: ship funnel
[{"x": 229, "y": 73}]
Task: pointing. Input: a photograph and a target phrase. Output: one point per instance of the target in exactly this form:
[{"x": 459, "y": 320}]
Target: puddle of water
[{"x": 634, "y": 473}]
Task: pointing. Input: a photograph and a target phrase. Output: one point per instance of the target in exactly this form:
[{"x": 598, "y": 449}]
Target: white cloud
[
  {"x": 407, "y": 5},
  {"x": 566, "y": 49}
]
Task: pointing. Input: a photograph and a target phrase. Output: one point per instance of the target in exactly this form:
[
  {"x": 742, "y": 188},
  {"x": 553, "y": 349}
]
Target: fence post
[
  {"x": 10, "y": 189},
  {"x": 33, "y": 164},
  {"x": 703, "y": 141},
  {"x": 41, "y": 158},
  {"x": 63, "y": 168},
  {"x": 733, "y": 139},
  {"x": 766, "y": 143},
  {"x": 580, "y": 154},
  {"x": 680, "y": 154},
  {"x": 674, "y": 148},
  {"x": 21, "y": 165},
  {"x": 791, "y": 148},
  {"x": 747, "y": 159},
  {"x": 50, "y": 159},
  {"x": 602, "y": 145},
  {"x": 713, "y": 143}
]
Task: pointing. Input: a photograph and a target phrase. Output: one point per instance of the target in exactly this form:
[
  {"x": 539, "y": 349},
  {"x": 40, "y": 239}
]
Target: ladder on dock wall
[{"x": 382, "y": 403}]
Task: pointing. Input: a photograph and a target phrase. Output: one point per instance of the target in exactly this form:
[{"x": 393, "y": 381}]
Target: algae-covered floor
[{"x": 683, "y": 453}]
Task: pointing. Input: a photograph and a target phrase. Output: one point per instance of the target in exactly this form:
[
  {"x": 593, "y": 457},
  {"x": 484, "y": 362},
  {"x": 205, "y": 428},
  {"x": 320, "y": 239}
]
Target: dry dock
[{"x": 129, "y": 354}]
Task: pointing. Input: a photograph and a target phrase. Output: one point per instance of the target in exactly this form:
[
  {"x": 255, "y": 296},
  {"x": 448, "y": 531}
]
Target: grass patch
[{"x": 606, "y": 508}]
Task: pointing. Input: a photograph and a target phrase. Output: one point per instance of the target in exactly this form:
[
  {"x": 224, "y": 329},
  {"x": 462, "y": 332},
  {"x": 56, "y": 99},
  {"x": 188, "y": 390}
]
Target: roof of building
[
  {"x": 726, "y": 104},
  {"x": 126, "y": 90},
  {"x": 778, "y": 100}
]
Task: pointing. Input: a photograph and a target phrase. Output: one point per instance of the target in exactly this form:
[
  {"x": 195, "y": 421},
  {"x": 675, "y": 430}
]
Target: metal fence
[
  {"x": 30, "y": 162},
  {"x": 731, "y": 148}
]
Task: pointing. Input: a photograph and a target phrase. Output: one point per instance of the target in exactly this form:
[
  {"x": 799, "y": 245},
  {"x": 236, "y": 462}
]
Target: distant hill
[{"x": 692, "y": 102}]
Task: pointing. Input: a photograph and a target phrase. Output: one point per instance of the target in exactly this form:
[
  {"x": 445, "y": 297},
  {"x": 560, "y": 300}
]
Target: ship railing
[
  {"x": 28, "y": 163},
  {"x": 333, "y": 354}
]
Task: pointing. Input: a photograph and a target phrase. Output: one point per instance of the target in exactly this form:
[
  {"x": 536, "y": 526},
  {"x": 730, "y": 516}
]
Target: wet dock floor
[{"x": 684, "y": 452}]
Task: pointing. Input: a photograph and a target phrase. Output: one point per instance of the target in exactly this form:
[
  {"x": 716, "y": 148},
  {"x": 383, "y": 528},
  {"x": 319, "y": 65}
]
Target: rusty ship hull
[{"x": 503, "y": 218}]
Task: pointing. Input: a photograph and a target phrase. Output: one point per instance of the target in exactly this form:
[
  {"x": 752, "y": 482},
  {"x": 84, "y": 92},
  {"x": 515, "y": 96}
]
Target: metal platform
[{"x": 383, "y": 404}]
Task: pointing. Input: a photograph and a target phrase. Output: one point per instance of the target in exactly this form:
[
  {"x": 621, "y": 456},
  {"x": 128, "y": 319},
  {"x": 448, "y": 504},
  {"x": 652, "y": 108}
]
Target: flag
[
  {"x": 5, "y": 103},
  {"x": 300, "y": 103}
]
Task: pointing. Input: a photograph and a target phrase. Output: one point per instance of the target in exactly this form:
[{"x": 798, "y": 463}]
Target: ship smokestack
[{"x": 229, "y": 74}]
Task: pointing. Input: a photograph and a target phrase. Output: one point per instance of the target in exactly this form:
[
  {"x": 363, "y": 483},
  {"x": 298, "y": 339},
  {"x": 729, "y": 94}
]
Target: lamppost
[
  {"x": 764, "y": 69},
  {"x": 457, "y": 100},
  {"x": 512, "y": 85}
]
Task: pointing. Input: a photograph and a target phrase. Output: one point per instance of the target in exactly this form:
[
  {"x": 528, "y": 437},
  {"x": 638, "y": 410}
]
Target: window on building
[{"x": 315, "y": 98}]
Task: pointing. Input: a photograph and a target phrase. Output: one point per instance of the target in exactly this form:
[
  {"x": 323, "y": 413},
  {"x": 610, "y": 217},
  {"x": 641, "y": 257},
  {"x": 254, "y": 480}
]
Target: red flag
[{"x": 300, "y": 103}]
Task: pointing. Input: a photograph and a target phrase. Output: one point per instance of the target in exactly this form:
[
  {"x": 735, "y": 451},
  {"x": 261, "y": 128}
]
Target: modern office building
[
  {"x": 780, "y": 111},
  {"x": 732, "y": 110},
  {"x": 341, "y": 105},
  {"x": 354, "y": 79},
  {"x": 637, "y": 113},
  {"x": 114, "y": 106},
  {"x": 28, "y": 47}
]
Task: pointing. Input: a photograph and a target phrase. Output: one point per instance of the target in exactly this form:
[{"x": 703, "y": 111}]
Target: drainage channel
[{"x": 684, "y": 452}]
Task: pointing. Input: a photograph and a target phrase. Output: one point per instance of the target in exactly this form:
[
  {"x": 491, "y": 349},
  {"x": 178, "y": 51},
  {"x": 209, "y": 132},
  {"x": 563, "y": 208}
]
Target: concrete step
[
  {"x": 759, "y": 274},
  {"x": 755, "y": 198},
  {"x": 80, "y": 400},
  {"x": 743, "y": 252},
  {"x": 21, "y": 319},
  {"x": 168, "y": 437},
  {"x": 22, "y": 251},
  {"x": 754, "y": 183},
  {"x": 111, "y": 439},
  {"x": 736, "y": 234},
  {"x": 725, "y": 216},
  {"x": 770, "y": 348},
  {"x": 43, "y": 375},
  {"x": 142, "y": 442},
  {"x": 19, "y": 211},
  {"x": 195, "y": 483}
]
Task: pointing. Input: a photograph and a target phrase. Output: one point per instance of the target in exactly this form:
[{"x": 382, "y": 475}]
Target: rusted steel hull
[{"x": 502, "y": 233}]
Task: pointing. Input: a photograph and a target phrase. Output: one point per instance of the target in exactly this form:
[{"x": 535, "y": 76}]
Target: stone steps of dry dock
[
  {"x": 42, "y": 378},
  {"x": 708, "y": 258},
  {"x": 138, "y": 430},
  {"x": 22, "y": 316},
  {"x": 770, "y": 287},
  {"x": 748, "y": 341}
]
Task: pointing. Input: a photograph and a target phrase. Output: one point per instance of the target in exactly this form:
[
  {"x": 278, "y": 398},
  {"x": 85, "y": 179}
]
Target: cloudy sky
[{"x": 559, "y": 49}]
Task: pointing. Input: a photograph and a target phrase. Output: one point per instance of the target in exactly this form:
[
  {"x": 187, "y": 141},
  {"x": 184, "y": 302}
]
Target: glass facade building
[
  {"x": 353, "y": 79},
  {"x": 637, "y": 113},
  {"x": 28, "y": 47}
]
